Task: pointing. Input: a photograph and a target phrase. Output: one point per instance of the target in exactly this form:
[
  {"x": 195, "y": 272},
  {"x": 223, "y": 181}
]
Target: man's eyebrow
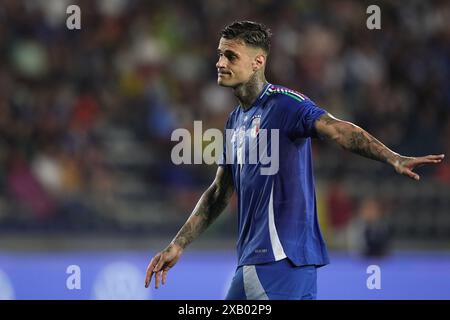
[{"x": 228, "y": 51}]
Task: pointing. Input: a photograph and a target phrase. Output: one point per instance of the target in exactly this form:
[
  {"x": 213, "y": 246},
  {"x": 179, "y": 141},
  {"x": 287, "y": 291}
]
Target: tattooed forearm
[
  {"x": 361, "y": 142},
  {"x": 208, "y": 208},
  {"x": 355, "y": 139}
]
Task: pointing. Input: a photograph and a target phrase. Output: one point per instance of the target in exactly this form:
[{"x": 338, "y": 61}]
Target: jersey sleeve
[{"x": 300, "y": 117}]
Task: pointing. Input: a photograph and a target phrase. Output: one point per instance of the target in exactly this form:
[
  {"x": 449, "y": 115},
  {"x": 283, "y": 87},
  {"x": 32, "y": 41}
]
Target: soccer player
[{"x": 279, "y": 245}]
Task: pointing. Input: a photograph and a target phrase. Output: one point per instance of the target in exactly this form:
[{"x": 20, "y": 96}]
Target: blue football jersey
[{"x": 268, "y": 150}]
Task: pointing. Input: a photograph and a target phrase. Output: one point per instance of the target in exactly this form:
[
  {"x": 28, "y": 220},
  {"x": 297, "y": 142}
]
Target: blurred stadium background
[{"x": 86, "y": 117}]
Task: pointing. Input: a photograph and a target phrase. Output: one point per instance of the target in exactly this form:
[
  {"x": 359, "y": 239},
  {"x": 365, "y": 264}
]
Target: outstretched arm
[
  {"x": 209, "y": 207},
  {"x": 355, "y": 139}
]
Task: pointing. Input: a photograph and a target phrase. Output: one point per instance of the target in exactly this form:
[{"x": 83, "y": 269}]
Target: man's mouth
[{"x": 223, "y": 73}]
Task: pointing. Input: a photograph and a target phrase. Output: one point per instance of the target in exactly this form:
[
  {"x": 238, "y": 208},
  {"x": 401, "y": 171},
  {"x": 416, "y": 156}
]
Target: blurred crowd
[{"x": 86, "y": 115}]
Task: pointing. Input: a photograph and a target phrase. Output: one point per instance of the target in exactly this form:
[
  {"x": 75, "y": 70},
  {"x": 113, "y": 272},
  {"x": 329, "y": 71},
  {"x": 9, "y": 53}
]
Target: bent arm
[
  {"x": 355, "y": 139},
  {"x": 211, "y": 204}
]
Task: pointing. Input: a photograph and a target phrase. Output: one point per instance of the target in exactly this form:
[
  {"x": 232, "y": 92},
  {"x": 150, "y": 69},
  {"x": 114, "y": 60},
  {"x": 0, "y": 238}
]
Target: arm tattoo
[
  {"x": 208, "y": 208},
  {"x": 357, "y": 140},
  {"x": 363, "y": 143}
]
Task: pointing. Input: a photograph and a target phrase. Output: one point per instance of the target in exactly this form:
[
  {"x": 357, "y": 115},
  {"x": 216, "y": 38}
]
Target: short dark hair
[{"x": 252, "y": 33}]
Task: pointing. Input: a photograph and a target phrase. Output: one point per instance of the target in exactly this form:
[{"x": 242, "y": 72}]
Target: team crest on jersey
[{"x": 255, "y": 125}]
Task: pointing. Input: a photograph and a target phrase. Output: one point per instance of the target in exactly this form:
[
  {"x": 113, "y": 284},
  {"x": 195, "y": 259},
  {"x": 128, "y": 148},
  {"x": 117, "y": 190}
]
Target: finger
[
  {"x": 435, "y": 158},
  {"x": 148, "y": 274},
  {"x": 164, "y": 276},
  {"x": 157, "y": 279},
  {"x": 439, "y": 156},
  {"x": 423, "y": 161},
  {"x": 150, "y": 267},
  {"x": 412, "y": 175}
]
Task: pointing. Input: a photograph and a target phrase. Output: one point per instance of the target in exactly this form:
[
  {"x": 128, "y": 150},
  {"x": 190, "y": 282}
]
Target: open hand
[
  {"x": 161, "y": 264},
  {"x": 406, "y": 165}
]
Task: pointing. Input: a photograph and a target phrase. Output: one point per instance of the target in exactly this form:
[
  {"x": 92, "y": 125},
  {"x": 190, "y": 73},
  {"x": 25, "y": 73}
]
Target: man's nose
[{"x": 220, "y": 63}]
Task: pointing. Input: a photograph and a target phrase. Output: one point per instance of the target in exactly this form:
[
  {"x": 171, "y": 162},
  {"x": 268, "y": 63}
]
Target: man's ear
[{"x": 259, "y": 62}]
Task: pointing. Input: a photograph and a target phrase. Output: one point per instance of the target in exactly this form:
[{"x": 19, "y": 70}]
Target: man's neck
[{"x": 248, "y": 92}]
